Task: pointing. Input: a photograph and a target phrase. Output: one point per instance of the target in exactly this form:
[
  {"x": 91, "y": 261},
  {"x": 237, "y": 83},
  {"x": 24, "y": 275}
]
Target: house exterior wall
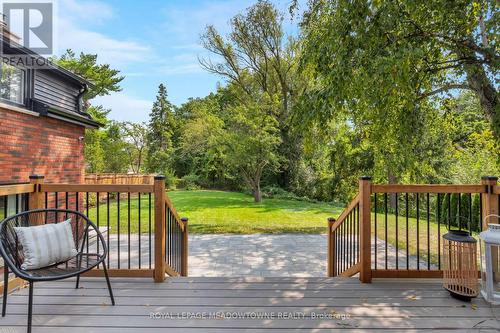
[{"x": 32, "y": 144}]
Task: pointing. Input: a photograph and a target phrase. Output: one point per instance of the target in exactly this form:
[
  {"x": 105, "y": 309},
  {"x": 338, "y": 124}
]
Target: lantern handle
[{"x": 485, "y": 219}]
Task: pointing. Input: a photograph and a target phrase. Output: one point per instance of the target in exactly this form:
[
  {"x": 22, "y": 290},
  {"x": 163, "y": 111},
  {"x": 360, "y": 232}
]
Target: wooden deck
[{"x": 247, "y": 305}]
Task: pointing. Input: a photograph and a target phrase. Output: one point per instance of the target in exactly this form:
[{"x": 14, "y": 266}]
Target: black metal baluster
[
  {"x": 459, "y": 211},
  {"x": 469, "y": 223},
  {"x": 77, "y": 194},
  {"x": 66, "y": 205},
  {"x": 418, "y": 230},
  {"x": 343, "y": 247},
  {"x": 17, "y": 203},
  {"x": 480, "y": 226},
  {"x": 348, "y": 227},
  {"x": 128, "y": 228},
  {"x": 397, "y": 232},
  {"x": 359, "y": 231},
  {"x": 375, "y": 234},
  {"x": 56, "y": 203},
  {"x": 118, "y": 225},
  {"x": 428, "y": 233},
  {"x": 139, "y": 224},
  {"x": 439, "y": 228},
  {"x": 107, "y": 225},
  {"x": 149, "y": 227},
  {"x": 46, "y": 202},
  {"x": 87, "y": 212},
  {"x": 353, "y": 234},
  {"x": 385, "y": 228},
  {"x": 407, "y": 232},
  {"x": 97, "y": 220},
  {"x": 449, "y": 210}
]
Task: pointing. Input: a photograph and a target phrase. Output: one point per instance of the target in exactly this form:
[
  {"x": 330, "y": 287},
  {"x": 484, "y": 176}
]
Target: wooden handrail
[
  {"x": 16, "y": 189},
  {"x": 174, "y": 212},
  {"x": 428, "y": 188},
  {"x": 96, "y": 188},
  {"x": 345, "y": 213}
]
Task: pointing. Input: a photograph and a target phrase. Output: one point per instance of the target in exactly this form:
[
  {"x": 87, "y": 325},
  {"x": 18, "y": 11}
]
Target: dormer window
[{"x": 12, "y": 82}]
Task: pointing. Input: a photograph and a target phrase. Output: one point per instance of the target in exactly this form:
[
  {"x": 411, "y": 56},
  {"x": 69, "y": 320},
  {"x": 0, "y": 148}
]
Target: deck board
[{"x": 398, "y": 305}]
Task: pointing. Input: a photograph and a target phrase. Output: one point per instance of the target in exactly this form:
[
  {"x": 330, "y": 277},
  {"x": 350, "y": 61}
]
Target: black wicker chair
[{"x": 89, "y": 243}]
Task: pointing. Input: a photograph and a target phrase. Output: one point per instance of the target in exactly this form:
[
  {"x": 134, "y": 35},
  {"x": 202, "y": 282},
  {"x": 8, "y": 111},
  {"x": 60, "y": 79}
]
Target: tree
[
  {"x": 252, "y": 139},
  {"x": 159, "y": 137},
  {"x": 103, "y": 78},
  {"x": 116, "y": 156},
  {"x": 373, "y": 56},
  {"x": 135, "y": 134},
  {"x": 259, "y": 58},
  {"x": 98, "y": 151},
  {"x": 93, "y": 149},
  {"x": 200, "y": 151}
]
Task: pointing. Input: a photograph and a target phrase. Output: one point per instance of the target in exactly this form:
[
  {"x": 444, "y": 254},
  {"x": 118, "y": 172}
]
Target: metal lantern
[
  {"x": 490, "y": 263},
  {"x": 460, "y": 265}
]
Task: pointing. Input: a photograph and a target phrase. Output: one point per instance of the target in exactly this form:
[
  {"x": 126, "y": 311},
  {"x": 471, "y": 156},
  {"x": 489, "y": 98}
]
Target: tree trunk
[
  {"x": 392, "y": 196},
  {"x": 257, "y": 194},
  {"x": 487, "y": 94}
]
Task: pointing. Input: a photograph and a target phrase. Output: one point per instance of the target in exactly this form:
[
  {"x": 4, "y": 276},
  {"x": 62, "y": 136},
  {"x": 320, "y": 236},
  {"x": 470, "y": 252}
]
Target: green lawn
[
  {"x": 236, "y": 213},
  {"x": 226, "y": 212}
]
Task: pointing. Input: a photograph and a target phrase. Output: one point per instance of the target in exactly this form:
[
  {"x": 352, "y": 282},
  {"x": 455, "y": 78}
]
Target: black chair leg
[
  {"x": 30, "y": 306},
  {"x": 109, "y": 283},
  {"x": 5, "y": 288},
  {"x": 77, "y": 281}
]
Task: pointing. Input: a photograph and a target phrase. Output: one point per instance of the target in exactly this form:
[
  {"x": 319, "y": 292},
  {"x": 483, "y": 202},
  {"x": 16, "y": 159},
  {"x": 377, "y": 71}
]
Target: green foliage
[
  {"x": 135, "y": 135},
  {"x": 102, "y": 77},
  {"x": 384, "y": 59},
  {"x": 456, "y": 215},
  {"x": 159, "y": 137}
]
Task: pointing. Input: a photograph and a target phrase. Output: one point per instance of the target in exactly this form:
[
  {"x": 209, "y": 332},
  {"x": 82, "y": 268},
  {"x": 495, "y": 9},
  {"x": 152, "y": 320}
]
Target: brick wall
[{"x": 39, "y": 145}]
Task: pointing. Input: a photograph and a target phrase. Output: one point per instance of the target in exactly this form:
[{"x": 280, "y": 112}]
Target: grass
[
  {"x": 225, "y": 212},
  {"x": 235, "y": 213},
  {"x": 417, "y": 237}
]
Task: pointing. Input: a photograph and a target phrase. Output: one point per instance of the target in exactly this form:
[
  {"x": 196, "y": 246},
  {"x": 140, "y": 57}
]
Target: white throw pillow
[{"x": 47, "y": 244}]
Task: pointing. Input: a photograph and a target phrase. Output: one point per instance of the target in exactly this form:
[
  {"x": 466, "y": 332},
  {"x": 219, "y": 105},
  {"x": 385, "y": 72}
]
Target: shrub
[{"x": 189, "y": 182}]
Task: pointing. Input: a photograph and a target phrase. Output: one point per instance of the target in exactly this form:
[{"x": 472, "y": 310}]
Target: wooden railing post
[
  {"x": 185, "y": 248},
  {"x": 36, "y": 199},
  {"x": 365, "y": 274},
  {"x": 489, "y": 201},
  {"x": 331, "y": 248},
  {"x": 159, "y": 197}
]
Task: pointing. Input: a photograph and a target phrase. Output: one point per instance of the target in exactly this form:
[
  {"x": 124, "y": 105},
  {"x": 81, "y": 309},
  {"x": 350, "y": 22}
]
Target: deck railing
[
  {"x": 135, "y": 220},
  {"x": 394, "y": 231},
  {"x": 343, "y": 242},
  {"x": 119, "y": 178}
]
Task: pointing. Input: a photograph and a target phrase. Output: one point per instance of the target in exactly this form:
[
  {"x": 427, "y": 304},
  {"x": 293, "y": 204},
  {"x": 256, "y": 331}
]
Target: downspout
[{"x": 79, "y": 98}]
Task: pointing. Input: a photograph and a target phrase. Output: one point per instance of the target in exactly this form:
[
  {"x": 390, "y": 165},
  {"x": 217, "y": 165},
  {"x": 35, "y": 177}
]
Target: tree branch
[{"x": 443, "y": 89}]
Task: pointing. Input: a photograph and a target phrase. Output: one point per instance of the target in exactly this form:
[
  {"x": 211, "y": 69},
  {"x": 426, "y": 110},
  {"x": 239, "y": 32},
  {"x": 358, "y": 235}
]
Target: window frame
[{"x": 25, "y": 86}]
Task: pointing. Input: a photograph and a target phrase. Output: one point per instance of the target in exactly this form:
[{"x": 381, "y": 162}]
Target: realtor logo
[{"x": 32, "y": 23}]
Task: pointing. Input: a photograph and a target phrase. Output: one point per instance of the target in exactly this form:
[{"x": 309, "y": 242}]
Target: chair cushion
[{"x": 46, "y": 244}]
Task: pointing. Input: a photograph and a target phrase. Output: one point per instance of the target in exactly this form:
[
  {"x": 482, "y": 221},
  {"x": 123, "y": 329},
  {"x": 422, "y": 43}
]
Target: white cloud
[
  {"x": 181, "y": 69},
  {"x": 72, "y": 32},
  {"x": 90, "y": 11},
  {"x": 124, "y": 107}
]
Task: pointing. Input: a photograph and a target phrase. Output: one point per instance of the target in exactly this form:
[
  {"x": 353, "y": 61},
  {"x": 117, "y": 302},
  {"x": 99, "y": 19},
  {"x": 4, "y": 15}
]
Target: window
[{"x": 12, "y": 84}]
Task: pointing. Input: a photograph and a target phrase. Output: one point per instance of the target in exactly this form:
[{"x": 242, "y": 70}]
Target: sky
[{"x": 150, "y": 42}]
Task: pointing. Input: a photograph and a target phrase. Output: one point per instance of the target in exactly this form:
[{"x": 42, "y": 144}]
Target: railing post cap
[
  {"x": 331, "y": 219},
  {"x": 37, "y": 176},
  {"x": 489, "y": 178},
  {"x": 184, "y": 219},
  {"x": 365, "y": 178},
  {"x": 159, "y": 177}
]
